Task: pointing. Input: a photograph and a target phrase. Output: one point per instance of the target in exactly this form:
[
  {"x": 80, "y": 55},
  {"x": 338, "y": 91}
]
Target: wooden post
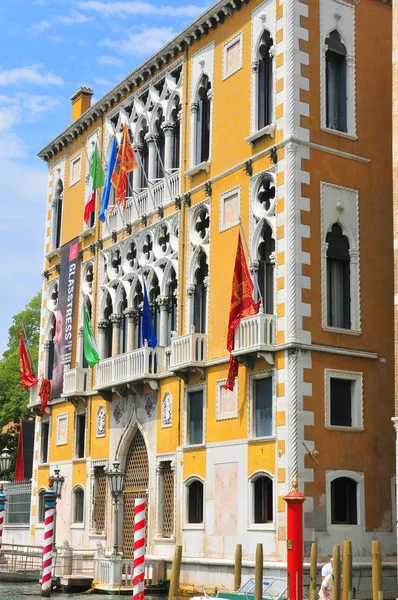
[
  {"x": 238, "y": 567},
  {"x": 377, "y": 580},
  {"x": 258, "y": 581},
  {"x": 313, "y": 590},
  {"x": 336, "y": 573},
  {"x": 347, "y": 570},
  {"x": 175, "y": 573}
]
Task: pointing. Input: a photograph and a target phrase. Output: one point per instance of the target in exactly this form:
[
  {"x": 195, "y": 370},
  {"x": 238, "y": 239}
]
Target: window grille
[
  {"x": 18, "y": 505},
  {"x": 99, "y": 510},
  {"x": 168, "y": 500}
]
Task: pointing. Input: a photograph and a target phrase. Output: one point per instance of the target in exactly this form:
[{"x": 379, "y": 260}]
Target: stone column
[
  {"x": 102, "y": 326},
  {"x": 116, "y": 321},
  {"x": 168, "y": 129},
  {"x": 159, "y": 505},
  {"x": 163, "y": 302},
  {"x": 47, "y": 345},
  {"x": 194, "y": 111},
  {"x": 190, "y": 300},
  {"x": 129, "y": 313},
  {"x": 151, "y": 138},
  {"x": 137, "y": 148}
]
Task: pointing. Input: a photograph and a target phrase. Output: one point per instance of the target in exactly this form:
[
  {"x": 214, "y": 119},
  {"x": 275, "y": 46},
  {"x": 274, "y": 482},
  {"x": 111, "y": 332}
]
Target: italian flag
[
  {"x": 90, "y": 347},
  {"x": 97, "y": 178}
]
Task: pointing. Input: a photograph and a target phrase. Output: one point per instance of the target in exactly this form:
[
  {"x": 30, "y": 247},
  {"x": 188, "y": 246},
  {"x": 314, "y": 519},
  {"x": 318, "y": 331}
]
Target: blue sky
[{"x": 48, "y": 48}]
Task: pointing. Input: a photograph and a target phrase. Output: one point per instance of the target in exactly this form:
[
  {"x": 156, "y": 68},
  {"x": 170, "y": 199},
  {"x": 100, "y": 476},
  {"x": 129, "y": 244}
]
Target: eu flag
[
  {"x": 108, "y": 184},
  {"x": 147, "y": 327}
]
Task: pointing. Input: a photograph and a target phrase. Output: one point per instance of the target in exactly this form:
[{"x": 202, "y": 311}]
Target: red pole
[{"x": 295, "y": 554}]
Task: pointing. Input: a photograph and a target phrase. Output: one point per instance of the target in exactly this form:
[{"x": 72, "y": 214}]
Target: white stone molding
[
  {"x": 233, "y": 193},
  {"x": 202, "y": 63},
  {"x": 167, "y": 410},
  {"x": 61, "y": 432},
  {"x": 160, "y": 460},
  {"x": 75, "y": 169},
  {"x": 100, "y": 422},
  {"x": 58, "y": 176},
  {"x": 359, "y": 478},
  {"x": 233, "y": 400},
  {"x": 292, "y": 238},
  {"x": 292, "y": 415},
  {"x": 356, "y": 398},
  {"x": 341, "y": 205},
  {"x": 345, "y": 26},
  {"x": 186, "y": 483},
  {"x": 236, "y": 39}
]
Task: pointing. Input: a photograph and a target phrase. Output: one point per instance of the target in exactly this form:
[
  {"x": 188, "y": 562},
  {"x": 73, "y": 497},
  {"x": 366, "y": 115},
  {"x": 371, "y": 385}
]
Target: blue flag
[
  {"x": 107, "y": 185},
  {"x": 147, "y": 327}
]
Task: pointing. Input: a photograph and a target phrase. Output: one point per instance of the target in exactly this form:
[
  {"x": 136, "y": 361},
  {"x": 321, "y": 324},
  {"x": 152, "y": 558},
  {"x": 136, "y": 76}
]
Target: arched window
[
  {"x": 344, "y": 501},
  {"x": 138, "y": 299},
  {"x": 123, "y": 325},
  {"x": 172, "y": 316},
  {"x": 263, "y": 500},
  {"x": 266, "y": 265},
  {"x": 203, "y": 120},
  {"x": 336, "y": 83},
  {"x": 40, "y": 506},
  {"x": 108, "y": 332},
  {"x": 78, "y": 505},
  {"x": 338, "y": 278},
  {"x": 195, "y": 502},
  {"x": 160, "y": 144},
  {"x": 200, "y": 294},
  {"x": 57, "y": 220},
  {"x": 154, "y": 292},
  {"x": 144, "y": 157},
  {"x": 177, "y": 134},
  {"x": 265, "y": 81}
]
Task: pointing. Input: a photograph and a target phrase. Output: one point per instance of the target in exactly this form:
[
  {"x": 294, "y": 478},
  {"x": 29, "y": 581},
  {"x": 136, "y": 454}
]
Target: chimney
[{"x": 81, "y": 101}]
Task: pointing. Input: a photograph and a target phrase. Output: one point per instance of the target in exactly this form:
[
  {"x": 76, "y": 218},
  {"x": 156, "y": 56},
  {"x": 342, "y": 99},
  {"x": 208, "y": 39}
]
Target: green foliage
[{"x": 13, "y": 397}]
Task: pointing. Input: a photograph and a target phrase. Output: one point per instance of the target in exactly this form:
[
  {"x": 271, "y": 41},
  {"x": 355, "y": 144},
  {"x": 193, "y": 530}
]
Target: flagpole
[{"x": 252, "y": 264}]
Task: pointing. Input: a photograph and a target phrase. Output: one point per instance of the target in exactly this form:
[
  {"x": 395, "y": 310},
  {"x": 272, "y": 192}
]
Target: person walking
[
  {"x": 325, "y": 593},
  {"x": 327, "y": 569}
]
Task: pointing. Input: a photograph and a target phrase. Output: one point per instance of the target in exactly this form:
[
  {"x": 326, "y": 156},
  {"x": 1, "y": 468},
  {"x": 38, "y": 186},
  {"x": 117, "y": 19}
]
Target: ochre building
[{"x": 272, "y": 119}]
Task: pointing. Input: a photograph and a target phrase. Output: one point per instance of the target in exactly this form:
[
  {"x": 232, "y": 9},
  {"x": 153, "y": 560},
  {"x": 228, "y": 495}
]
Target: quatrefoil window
[
  {"x": 116, "y": 260},
  {"x": 89, "y": 277},
  {"x": 132, "y": 254},
  {"x": 202, "y": 224},
  {"x": 147, "y": 247},
  {"x": 164, "y": 238}
]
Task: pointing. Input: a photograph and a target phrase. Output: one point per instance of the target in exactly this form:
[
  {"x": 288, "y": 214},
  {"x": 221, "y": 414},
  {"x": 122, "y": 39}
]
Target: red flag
[
  {"x": 242, "y": 305},
  {"x": 44, "y": 394},
  {"x": 125, "y": 163},
  {"x": 25, "y": 368},
  {"x": 19, "y": 464}
]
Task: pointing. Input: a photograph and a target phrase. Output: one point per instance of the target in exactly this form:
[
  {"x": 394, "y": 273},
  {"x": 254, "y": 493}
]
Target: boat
[{"x": 274, "y": 588}]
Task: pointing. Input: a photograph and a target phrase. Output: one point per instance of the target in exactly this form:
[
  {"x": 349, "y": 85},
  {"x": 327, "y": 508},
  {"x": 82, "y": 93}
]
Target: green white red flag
[{"x": 97, "y": 178}]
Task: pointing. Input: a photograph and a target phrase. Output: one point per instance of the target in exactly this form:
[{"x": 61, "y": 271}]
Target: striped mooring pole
[
  {"x": 3, "y": 501},
  {"x": 49, "y": 522},
  {"x": 139, "y": 549}
]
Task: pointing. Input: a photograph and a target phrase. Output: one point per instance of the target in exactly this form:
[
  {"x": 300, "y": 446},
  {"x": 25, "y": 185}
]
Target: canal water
[{"x": 31, "y": 591}]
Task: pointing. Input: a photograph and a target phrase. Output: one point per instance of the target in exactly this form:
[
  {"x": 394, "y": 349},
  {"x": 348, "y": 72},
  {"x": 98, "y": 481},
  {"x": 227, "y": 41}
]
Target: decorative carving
[
  {"x": 167, "y": 410},
  {"x": 100, "y": 421},
  {"x": 118, "y": 412},
  {"x": 149, "y": 406}
]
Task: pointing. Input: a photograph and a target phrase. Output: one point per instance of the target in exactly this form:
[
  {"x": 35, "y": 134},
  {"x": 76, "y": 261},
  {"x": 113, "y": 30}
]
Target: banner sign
[{"x": 65, "y": 314}]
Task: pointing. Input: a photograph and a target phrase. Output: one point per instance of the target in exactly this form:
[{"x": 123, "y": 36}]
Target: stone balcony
[
  {"x": 256, "y": 334},
  {"x": 76, "y": 384},
  {"x": 130, "y": 370},
  {"x": 188, "y": 353},
  {"x": 34, "y": 398},
  {"x": 146, "y": 201}
]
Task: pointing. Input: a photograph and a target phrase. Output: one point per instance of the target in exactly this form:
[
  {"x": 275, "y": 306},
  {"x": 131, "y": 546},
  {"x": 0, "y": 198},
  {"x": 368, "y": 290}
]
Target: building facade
[{"x": 260, "y": 117}]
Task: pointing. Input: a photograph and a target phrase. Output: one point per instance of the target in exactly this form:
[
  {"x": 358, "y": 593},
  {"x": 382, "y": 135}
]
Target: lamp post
[
  {"x": 58, "y": 483},
  {"x": 116, "y": 479},
  {"x": 5, "y": 460}
]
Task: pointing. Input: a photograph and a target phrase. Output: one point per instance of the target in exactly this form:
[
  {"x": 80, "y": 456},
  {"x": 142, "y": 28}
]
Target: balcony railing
[
  {"x": 188, "y": 350},
  {"x": 75, "y": 382},
  {"x": 34, "y": 399},
  {"x": 255, "y": 334},
  {"x": 160, "y": 194},
  {"x": 143, "y": 363}
]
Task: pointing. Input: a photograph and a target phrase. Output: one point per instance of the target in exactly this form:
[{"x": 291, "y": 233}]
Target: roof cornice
[{"x": 208, "y": 20}]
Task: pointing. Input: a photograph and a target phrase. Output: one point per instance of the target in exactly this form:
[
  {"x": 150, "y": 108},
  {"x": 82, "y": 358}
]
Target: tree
[{"x": 14, "y": 398}]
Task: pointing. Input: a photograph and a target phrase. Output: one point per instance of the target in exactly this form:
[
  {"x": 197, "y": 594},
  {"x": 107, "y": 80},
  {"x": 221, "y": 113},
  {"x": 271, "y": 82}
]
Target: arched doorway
[{"x": 137, "y": 483}]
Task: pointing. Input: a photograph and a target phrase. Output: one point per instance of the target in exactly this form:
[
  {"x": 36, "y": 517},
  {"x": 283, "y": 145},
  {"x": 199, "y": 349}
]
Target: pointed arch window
[
  {"x": 176, "y": 134},
  {"x": 172, "y": 316},
  {"x": 265, "y": 81},
  {"x": 57, "y": 218},
  {"x": 203, "y": 118},
  {"x": 154, "y": 292},
  {"x": 108, "y": 331},
  {"x": 338, "y": 279},
  {"x": 200, "y": 294},
  {"x": 138, "y": 299},
  {"x": 161, "y": 146},
  {"x": 144, "y": 157},
  {"x": 336, "y": 83},
  {"x": 266, "y": 266},
  {"x": 123, "y": 325}
]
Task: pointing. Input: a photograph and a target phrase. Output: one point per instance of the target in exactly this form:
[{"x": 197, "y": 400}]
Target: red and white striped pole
[
  {"x": 49, "y": 507},
  {"x": 139, "y": 549},
  {"x": 3, "y": 501}
]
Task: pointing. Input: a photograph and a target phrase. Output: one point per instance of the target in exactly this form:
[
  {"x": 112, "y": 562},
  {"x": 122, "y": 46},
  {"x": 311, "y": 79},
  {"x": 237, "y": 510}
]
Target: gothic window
[
  {"x": 203, "y": 117},
  {"x": 344, "y": 501},
  {"x": 265, "y": 81},
  {"x": 154, "y": 292},
  {"x": 263, "y": 499},
  {"x": 144, "y": 157},
  {"x": 50, "y": 349},
  {"x": 108, "y": 331},
  {"x": 160, "y": 144},
  {"x": 266, "y": 265},
  {"x": 336, "y": 83},
  {"x": 172, "y": 295},
  {"x": 57, "y": 215},
  {"x": 138, "y": 299},
  {"x": 200, "y": 294},
  {"x": 176, "y": 134},
  {"x": 124, "y": 324},
  {"x": 338, "y": 279},
  {"x": 195, "y": 502}
]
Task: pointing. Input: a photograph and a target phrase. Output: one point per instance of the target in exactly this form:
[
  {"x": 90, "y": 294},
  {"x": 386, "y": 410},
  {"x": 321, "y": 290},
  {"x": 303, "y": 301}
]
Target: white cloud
[
  {"x": 56, "y": 38},
  {"x": 140, "y": 8},
  {"x": 109, "y": 60},
  {"x": 73, "y": 19},
  {"x": 141, "y": 43},
  {"x": 102, "y": 82},
  {"x": 29, "y": 75}
]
